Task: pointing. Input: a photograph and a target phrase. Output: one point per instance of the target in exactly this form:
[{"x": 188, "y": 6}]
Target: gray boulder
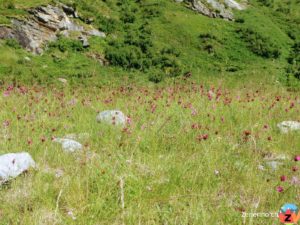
[
  {"x": 287, "y": 126},
  {"x": 216, "y": 8},
  {"x": 14, "y": 164},
  {"x": 68, "y": 145},
  {"x": 114, "y": 117}
]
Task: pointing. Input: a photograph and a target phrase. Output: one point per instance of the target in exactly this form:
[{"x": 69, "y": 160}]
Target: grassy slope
[{"x": 177, "y": 27}]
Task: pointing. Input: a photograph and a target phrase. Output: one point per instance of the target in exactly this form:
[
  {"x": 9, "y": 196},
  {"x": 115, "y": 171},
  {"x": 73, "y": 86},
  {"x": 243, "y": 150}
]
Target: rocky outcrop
[
  {"x": 216, "y": 8},
  {"x": 45, "y": 24}
]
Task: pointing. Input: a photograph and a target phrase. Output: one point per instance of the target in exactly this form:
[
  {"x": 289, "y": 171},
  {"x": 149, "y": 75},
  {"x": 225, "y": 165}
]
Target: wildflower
[
  {"x": 279, "y": 189},
  {"x": 29, "y": 142},
  {"x": 202, "y": 137},
  {"x": 6, "y": 93},
  {"x": 297, "y": 158},
  {"x": 6, "y": 123},
  {"x": 269, "y": 138},
  {"x": 283, "y": 178},
  {"x": 195, "y": 126},
  {"x": 294, "y": 168},
  {"x": 194, "y": 112},
  {"x": 129, "y": 120},
  {"x": 247, "y": 133}
]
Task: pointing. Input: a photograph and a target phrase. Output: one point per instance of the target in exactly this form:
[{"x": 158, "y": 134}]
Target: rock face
[
  {"x": 216, "y": 8},
  {"x": 44, "y": 25},
  {"x": 13, "y": 164},
  {"x": 114, "y": 117}
]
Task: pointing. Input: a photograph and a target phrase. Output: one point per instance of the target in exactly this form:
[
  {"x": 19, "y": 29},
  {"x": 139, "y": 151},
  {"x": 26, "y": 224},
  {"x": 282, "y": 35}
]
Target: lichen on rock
[
  {"x": 216, "y": 8},
  {"x": 44, "y": 25}
]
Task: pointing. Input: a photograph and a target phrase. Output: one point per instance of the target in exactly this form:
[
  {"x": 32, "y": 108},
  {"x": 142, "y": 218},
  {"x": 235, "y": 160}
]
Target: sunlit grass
[{"x": 187, "y": 157}]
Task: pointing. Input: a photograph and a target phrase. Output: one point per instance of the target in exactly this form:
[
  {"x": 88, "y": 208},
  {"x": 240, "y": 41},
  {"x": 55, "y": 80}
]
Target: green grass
[
  {"x": 175, "y": 27},
  {"x": 169, "y": 174}
]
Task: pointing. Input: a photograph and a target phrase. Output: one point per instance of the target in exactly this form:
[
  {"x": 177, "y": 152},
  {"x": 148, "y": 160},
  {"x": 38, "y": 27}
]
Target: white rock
[
  {"x": 68, "y": 145},
  {"x": 234, "y": 5},
  {"x": 287, "y": 126},
  {"x": 96, "y": 33},
  {"x": 114, "y": 117},
  {"x": 26, "y": 58},
  {"x": 274, "y": 165},
  {"x": 276, "y": 157},
  {"x": 14, "y": 164},
  {"x": 63, "y": 80}
]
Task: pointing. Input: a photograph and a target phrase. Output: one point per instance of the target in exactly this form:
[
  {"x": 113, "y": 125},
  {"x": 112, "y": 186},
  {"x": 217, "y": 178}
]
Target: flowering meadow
[{"x": 190, "y": 153}]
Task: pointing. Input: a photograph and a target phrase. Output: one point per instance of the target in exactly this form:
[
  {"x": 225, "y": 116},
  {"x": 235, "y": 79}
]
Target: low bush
[
  {"x": 66, "y": 44},
  {"x": 13, "y": 43},
  {"x": 294, "y": 61},
  {"x": 258, "y": 44}
]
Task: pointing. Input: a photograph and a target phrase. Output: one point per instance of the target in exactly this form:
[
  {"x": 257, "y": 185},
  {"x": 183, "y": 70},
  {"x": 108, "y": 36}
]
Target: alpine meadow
[{"x": 149, "y": 112}]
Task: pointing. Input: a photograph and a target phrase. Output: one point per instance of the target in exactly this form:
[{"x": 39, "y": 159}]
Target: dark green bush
[
  {"x": 258, "y": 44},
  {"x": 267, "y": 2},
  {"x": 134, "y": 48},
  {"x": 208, "y": 42},
  {"x": 156, "y": 76},
  {"x": 13, "y": 43},
  {"x": 294, "y": 61},
  {"x": 65, "y": 44},
  {"x": 8, "y": 4},
  {"x": 107, "y": 25}
]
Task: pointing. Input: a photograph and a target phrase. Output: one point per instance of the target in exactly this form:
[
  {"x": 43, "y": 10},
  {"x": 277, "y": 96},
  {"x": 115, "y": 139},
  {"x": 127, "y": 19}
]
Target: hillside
[{"x": 157, "y": 40}]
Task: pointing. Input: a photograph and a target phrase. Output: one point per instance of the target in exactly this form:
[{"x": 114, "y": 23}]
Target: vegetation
[
  {"x": 258, "y": 44},
  {"x": 203, "y": 96},
  {"x": 189, "y": 149},
  {"x": 140, "y": 32}
]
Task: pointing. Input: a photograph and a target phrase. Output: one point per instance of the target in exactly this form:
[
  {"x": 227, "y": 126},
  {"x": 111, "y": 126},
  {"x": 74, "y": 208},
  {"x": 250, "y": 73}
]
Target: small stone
[
  {"x": 85, "y": 42},
  {"x": 274, "y": 165},
  {"x": 287, "y": 126},
  {"x": 261, "y": 167},
  {"x": 63, "y": 80},
  {"x": 27, "y": 59},
  {"x": 96, "y": 33},
  {"x": 68, "y": 145},
  {"x": 114, "y": 117}
]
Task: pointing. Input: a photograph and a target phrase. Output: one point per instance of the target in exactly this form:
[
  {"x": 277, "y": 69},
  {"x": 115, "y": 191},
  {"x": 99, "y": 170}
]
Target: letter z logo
[{"x": 288, "y": 218}]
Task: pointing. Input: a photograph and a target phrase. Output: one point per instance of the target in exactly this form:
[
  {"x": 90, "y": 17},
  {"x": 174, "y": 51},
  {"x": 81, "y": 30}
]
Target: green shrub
[
  {"x": 13, "y": 43},
  {"x": 294, "y": 61},
  {"x": 258, "y": 44},
  {"x": 208, "y": 42},
  {"x": 8, "y": 4},
  {"x": 65, "y": 44},
  {"x": 156, "y": 76},
  {"x": 107, "y": 25},
  {"x": 268, "y": 3}
]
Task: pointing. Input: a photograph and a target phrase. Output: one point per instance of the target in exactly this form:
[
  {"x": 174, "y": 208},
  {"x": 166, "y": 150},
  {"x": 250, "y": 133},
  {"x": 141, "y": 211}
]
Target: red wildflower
[
  {"x": 247, "y": 133},
  {"x": 297, "y": 158},
  {"x": 283, "y": 178},
  {"x": 279, "y": 189}
]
